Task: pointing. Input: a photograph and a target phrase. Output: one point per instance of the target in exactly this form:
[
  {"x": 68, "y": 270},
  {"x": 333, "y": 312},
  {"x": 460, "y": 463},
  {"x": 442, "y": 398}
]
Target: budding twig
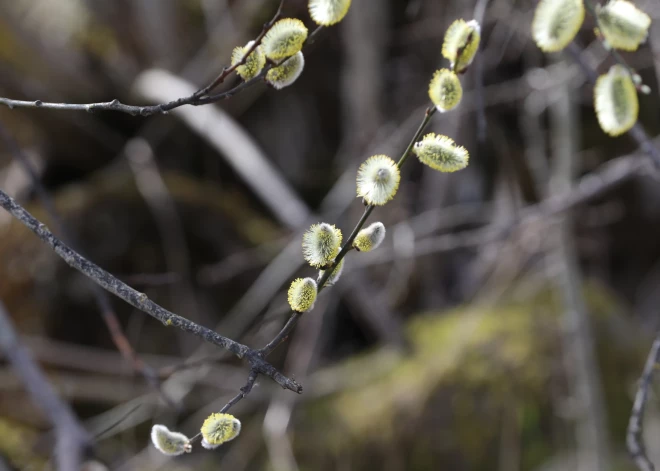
[
  {"x": 228, "y": 70},
  {"x": 348, "y": 245}
]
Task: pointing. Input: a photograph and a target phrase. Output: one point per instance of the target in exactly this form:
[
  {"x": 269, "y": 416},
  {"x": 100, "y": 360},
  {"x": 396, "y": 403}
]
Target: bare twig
[
  {"x": 73, "y": 441},
  {"x": 116, "y": 105},
  {"x": 140, "y": 300},
  {"x": 634, "y": 438}
]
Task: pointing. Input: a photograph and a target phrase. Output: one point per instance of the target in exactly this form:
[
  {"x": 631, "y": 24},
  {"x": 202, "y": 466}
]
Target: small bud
[
  {"x": 370, "y": 237},
  {"x": 302, "y": 294},
  {"x": 321, "y": 244},
  {"x": 284, "y": 39},
  {"x": 328, "y": 12},
  {"x": 445, "y": 90},
  {"x": 219, "y": 428},
  {"x": 254, "y": 63},
  {"x": 644, "y": 89},
  {"x": 623, "y": 25},
  {"x": 378, "y": 180},
  {"x": 334, "y": 276},
  {"x": 287, "y": 73},
  {"x": 441, "y": 153},
  {"x": 615, "y": 100},
  {"x": 461, "y": 44},
  {"x": 556, "y": 22},
  {"x": 169, "y": 443},
  {"x": 637, "y": 79}
]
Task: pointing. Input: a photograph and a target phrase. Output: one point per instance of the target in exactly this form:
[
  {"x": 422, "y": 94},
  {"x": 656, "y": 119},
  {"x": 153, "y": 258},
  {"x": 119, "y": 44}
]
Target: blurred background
[{"x": 459, "y": 344}]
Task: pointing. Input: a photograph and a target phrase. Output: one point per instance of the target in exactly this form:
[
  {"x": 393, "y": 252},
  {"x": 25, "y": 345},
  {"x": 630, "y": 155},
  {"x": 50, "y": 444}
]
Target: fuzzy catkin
[
  {"x": 556, "y": 22},
  {"x": 220, "y": 428}
]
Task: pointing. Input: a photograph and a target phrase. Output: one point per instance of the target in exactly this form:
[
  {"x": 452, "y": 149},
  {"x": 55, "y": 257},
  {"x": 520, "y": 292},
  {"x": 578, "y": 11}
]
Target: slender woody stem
[
  {"x": 198, "y": 98},
  {"x": 634, "y": 438},
  {"x": 348, "y": 245},
  {"x": 101, "y": 297},
  {"x": 141, "y": 300}
]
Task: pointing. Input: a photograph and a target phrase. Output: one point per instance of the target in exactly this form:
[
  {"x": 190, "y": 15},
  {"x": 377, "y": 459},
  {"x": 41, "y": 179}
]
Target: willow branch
[
  {"x": 199, "y": 98},
  {"x": 634, "y": 438},
  {"x": 348, "y": 245},
  {"x": 140, "y": 300},
  {"x": 226, "y": 71}
]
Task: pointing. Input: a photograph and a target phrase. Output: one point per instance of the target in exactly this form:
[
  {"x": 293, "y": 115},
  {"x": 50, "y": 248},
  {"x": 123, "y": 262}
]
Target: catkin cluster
[
  {"x": 377, "y": 181},
  {"x": 620, "y": 25},
  {"x": 378, "y": 178},
  {"x": 280, "y": 48}
]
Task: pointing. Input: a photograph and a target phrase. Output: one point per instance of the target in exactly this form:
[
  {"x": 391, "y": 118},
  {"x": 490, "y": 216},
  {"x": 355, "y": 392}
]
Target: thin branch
[
  {"x": 244, "y": 391},
  {"x": 196, "y": 99},
  {"x": 73, "y": 442},
  {"x": 348, "y": 245},
  {"x": 140, "y": 300},
  {"x": 634, "y": 438},
  {"x": 116, "y": 105},
  {"x": 103, "y": 302}
]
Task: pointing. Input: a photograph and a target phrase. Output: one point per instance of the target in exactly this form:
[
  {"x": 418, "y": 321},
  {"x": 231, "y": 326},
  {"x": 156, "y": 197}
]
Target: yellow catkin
[
  {"x": 615, "y": 101},
  {"x": 254, "y": 63},
  {"x": 286, "y": 73},
  {"x": 335, "y": 275},
  {"x": 441, "y": 153},
  {"x": 321, "y": 244},
  {"x": 302, "y": 294},
  {"x": 284, "y": 39},
  {"x": 461, "y": 44},
  {"x": 445, "y": 90},
  {"x": 378, "y": 180},
  {"x": 328, "y": 12},
  {"x": 556, "y": 22},
  {"x": 168, "y": 442},
  {"x": 370, "y": 237},
  {"x": 622, "y": 24},
  {"x": 220, "y": 428}
]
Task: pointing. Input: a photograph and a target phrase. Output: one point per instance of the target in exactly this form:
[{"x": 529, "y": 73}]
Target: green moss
[{"x": 473, "y": 372}]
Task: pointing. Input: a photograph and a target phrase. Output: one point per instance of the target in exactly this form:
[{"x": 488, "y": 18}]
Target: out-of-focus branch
[
  {"x": 577, "y": 337},
  {"x": 140, "y": 300},
  {"x": 103, "y": 302},
  {"x": 634, "y": 438},
  {"x": 238, "y": 147},
  {"x": 73, "y": 442}
]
